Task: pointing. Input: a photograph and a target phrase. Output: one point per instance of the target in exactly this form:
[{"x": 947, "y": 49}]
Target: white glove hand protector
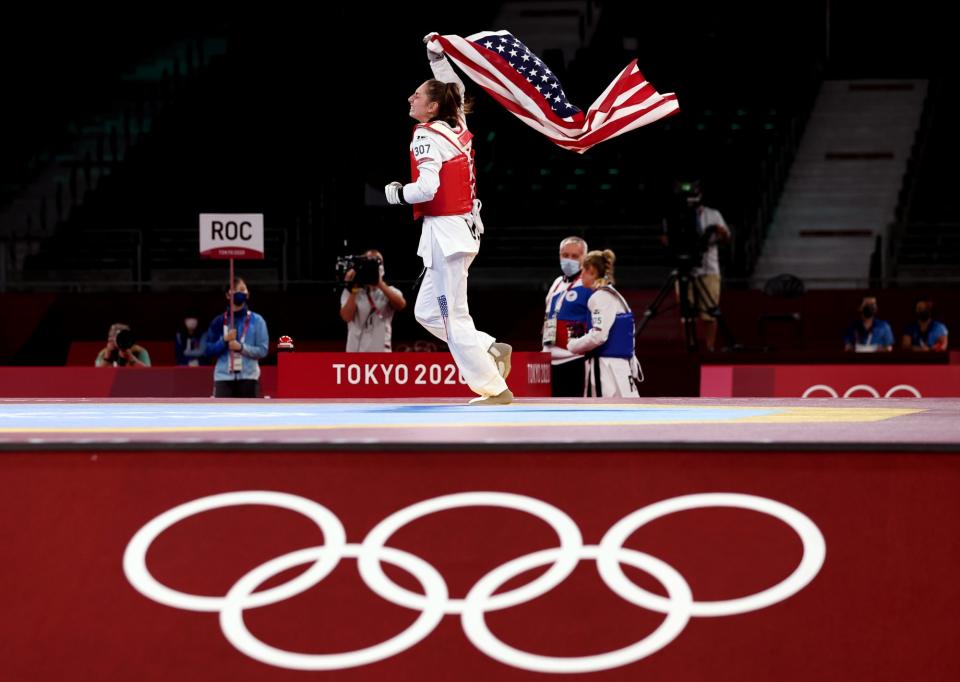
[
  {"x": 434, "y": 50},
  {"x": 393, "y": 193}
]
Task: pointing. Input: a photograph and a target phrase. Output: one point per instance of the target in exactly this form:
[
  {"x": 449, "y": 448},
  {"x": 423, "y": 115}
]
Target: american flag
[{"x": 502, "y": 65}]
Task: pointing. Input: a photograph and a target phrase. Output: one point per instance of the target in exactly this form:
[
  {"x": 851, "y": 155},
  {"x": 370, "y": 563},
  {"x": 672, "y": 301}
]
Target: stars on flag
[{"x": 538, "y": 74}]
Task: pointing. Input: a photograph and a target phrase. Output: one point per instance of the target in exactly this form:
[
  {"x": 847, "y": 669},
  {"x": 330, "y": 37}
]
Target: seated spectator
[
  {"x": 869, "y": 334},
  {"x": 121, "y": 351},
  {"x": 926, "y": 333},
  {"x": 190, "y": 344}
]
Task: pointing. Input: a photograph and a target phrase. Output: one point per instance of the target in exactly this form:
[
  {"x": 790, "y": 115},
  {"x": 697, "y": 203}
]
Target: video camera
[
  {"x": 367, "y": 269},
  {"x": 685, "y": 242}
]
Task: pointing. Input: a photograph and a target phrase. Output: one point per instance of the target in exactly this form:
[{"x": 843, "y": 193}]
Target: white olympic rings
[
  {"x": 679, "y": 606},
  {"x": 866, "y": 388}
]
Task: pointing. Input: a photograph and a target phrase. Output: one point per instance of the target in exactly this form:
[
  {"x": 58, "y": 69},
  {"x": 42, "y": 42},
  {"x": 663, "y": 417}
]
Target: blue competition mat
[{"x": 158, "y": 417}]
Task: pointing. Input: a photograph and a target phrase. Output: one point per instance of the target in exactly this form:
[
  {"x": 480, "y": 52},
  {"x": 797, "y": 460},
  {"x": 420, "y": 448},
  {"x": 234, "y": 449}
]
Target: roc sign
[{"x": 231, "y": 235}]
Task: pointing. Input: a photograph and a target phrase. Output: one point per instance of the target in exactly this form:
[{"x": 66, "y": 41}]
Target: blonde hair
[
  {"x": 602, "y": 263},
  {"x": 116, "y": 328}
]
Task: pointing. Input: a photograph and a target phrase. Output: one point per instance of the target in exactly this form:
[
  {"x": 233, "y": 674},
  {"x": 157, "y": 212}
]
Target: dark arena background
[{"x": 777, "y": 503}]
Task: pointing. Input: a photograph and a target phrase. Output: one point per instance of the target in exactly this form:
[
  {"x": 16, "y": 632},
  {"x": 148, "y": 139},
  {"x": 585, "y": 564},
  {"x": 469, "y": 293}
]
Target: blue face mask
[
  {"x": 569, "y": 266},
  {"x": 239, "y": 297}
]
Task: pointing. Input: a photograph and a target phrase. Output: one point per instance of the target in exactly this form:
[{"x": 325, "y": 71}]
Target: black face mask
[
  {"x": 868, "y": 311},
  {"x": 923, "y": 315}
]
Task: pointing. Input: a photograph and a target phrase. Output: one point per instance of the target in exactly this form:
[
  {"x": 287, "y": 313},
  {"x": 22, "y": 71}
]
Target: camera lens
[{"x": 124, "y": 339}]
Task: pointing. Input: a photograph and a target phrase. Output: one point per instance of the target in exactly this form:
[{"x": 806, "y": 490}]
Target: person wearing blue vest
[
  {"x": 566, "y": 311},
  {"x": 869, "y": 334},
  {"x": 238, "y": 347},
  {"x": 612, "y": 369},
  {"x": 926, "y": 334}
]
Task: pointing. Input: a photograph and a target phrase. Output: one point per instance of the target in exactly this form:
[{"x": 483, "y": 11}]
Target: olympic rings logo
[
  {"x": 829, "y": 390},
  {"x": 435, "y": 602}
]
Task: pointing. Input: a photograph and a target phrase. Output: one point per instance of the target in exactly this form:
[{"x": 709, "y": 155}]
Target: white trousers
[
  {"x": 615, "y": 378},
  {"x": 442, "y": 310}
]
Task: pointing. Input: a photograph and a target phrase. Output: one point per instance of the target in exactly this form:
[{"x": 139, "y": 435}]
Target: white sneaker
[
  {"x": 501, "y": 353},
  {"x": 505, "y": 397}
]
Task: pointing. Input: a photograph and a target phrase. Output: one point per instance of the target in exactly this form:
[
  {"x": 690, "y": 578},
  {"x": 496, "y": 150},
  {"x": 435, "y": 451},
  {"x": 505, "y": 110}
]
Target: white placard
[{"x": 231, "y": 235}]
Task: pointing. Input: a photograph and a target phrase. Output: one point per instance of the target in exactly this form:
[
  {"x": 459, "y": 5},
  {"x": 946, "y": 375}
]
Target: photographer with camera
[
  {"x": 121, "y": 351},
  {"x": 368, "y": 303},
  {"x": 692, "y": 233},
  {"x": 238, "y": 345}
]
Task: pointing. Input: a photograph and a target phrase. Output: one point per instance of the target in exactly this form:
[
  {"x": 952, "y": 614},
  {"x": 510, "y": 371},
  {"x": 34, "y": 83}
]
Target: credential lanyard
[
  {"x": 243, "y": 335},
  {"x": 373, "y": 306},
  {"x": 560, "y": 296}
]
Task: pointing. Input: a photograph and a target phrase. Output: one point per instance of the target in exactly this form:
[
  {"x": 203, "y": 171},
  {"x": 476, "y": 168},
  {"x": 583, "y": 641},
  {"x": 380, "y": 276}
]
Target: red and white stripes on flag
[{"x": 513, "y": 75}]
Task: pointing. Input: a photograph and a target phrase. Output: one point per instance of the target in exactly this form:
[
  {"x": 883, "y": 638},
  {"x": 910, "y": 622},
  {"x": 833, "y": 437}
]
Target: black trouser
[
  {"x": 238, "y": 388},
  {"x": 566, "y": 380}
]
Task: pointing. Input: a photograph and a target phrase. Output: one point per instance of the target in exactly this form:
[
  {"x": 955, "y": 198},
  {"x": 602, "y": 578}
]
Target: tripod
[{"x": 694, "y": 298}]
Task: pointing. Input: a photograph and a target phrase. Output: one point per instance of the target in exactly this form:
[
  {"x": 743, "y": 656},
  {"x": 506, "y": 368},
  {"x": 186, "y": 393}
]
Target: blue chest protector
[
  {"x": 573, "y": 312},
  {"x": 620, "y": 341}
]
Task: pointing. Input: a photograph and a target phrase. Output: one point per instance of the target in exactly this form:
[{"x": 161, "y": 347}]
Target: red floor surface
[{"x": 882, "y": 605}]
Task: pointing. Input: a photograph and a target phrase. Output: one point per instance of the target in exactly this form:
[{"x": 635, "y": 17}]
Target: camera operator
[
  {"x": 693, "y": 232},
  {"x": 121, "y": 351},
  {"x": 367, "y": 305}
]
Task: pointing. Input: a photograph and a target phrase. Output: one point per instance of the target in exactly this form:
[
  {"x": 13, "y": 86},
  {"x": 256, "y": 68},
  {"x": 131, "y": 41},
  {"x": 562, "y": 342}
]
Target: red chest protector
[{"x": 457, "y": 183}]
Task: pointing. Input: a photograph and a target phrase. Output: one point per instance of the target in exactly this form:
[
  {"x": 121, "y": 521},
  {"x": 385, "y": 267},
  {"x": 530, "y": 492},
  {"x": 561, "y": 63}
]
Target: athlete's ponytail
[{"x": 450, "y": 106}]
